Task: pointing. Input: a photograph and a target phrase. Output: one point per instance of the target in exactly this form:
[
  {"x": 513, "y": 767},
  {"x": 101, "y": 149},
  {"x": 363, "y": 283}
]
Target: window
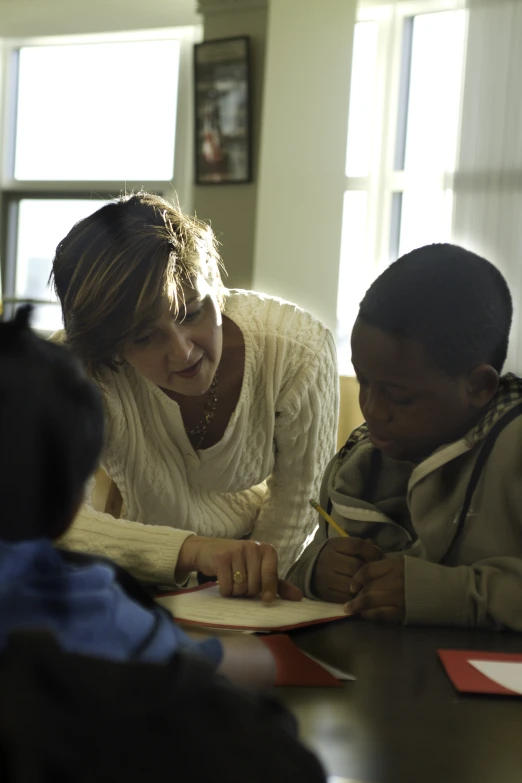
[
  {"x": 97, "y": 111},
  {"x": 359, "y": 149},
  {"x": 403, "y": 130},
  {"x": 41, "y": 224},
  {"x": 428, "y": 125},
  {"x": 87, "y": 119}
]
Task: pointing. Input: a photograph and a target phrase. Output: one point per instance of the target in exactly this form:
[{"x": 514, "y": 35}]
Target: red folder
[
  {"x": 294, "y": 667},
  {"x": 466, "y": 678}
]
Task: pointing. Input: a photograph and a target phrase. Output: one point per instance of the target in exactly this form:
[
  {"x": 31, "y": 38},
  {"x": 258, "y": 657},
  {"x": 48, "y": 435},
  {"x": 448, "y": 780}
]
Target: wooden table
[{"x": 402, "y": 721}]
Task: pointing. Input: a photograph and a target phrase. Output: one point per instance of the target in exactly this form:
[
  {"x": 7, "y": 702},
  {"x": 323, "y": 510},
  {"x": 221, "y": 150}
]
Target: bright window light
[
  {"x": 435, "y": 91},
  {"x": 360, "y": 124},
  {"x": 425, "y": 218},
  {"x": 97, "y": 111},
  {"x": 353, "y": 273},
  {"x": 42, "y": 223}
]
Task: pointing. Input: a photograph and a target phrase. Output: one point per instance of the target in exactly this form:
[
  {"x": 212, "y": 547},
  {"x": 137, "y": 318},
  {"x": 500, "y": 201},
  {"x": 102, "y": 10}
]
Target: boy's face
[{"x": 411, "y": 406}]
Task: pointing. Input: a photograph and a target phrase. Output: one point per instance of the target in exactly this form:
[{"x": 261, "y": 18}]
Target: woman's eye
[
  {"x": 191, "y": 317},
  {"x": 147, "y": 338}
]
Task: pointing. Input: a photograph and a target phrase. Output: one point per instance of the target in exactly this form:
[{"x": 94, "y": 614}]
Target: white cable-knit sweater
[{"x": 257, "y": 478}]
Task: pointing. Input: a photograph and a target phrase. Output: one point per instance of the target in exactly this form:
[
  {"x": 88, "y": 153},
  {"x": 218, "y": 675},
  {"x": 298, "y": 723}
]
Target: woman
[{"x": 208, "y": 393}]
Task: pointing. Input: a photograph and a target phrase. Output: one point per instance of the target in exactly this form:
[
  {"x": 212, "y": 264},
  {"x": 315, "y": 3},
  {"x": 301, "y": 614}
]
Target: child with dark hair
[
  {"x": 51, "y": 425},
  {"x": 429, "y": 488},
  {"x": 51, "y": 436},
  {"x": 140, "y": 719}
]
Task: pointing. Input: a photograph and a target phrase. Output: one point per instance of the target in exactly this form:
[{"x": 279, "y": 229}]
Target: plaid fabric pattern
[
  {"x": 359, "y": 434},
  {"x": 509, "y": 394}
]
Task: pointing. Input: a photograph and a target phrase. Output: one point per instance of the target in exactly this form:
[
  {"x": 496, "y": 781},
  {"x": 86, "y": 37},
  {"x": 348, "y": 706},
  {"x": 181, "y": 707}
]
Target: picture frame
[{"x": 222, "y": 104}]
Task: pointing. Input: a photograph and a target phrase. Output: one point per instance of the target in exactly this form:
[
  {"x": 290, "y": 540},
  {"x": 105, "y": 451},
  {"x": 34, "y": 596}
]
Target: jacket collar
[{"x": 508, "y": 395}]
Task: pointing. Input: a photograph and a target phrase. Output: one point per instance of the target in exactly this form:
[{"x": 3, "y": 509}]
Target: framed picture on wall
[{"x": 223, "y": 143}]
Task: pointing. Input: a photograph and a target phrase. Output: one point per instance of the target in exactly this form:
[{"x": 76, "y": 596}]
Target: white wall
[
  {"x": 303, "y": 151},
  {"x": 20, "y": 18}
]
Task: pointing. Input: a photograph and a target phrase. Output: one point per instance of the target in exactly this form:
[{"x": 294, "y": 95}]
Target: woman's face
[{"x": 181, "y": 353}]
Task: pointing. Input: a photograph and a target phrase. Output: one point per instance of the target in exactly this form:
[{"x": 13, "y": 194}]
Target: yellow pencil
[{"x": 326, "y": 516}]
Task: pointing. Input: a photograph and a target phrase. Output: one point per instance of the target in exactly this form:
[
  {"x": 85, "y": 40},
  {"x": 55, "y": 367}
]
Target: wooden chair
[
  {"x": 350, "y": 415},
  {"x": 106, "y": 496}
]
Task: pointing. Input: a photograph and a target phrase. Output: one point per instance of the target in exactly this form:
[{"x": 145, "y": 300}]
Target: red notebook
[
  {"x": 484, "y": 672},
  {"x": 294, "y": 667}
]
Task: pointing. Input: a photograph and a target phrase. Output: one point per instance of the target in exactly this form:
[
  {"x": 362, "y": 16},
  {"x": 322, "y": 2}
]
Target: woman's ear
[{"x": 483, "y": 382}]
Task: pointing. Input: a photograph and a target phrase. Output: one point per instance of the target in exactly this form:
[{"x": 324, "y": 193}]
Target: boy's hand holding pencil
[
  {"x": 378, "y": 591},
  {"x": 339, "y": 561}
]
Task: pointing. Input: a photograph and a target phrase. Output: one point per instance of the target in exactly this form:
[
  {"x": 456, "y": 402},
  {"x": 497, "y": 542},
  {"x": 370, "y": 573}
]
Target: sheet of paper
[
  {"x": 505, "y": 673},
  {"x": 342, "y": 780},
  {"x": 206, "y": 607},
  {"x": 334, "y": 671}
]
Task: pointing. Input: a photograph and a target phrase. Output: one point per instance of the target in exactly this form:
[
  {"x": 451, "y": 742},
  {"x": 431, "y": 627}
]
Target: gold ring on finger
[{"x": 238, "y": 577}]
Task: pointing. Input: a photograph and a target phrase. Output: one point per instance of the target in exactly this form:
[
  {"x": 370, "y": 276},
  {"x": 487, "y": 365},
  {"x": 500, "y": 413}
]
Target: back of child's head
[
  {"x": 51, "y": 433},
  {"x": 455, "y": 303}
]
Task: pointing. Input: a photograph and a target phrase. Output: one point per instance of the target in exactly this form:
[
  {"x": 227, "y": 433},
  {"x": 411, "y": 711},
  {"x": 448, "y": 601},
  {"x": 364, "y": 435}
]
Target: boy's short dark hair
[
  {"x": 454, "y": 302},
  {"x": 51, "y": 433}
]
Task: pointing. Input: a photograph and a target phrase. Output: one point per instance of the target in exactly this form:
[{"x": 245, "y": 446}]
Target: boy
[
  {"x": 429, "y": 488},
  {"x": 51, "y": 435}
]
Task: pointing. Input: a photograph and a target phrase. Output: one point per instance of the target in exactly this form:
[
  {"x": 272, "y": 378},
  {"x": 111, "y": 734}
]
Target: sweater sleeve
[
  {"x": 301, "y": 572},
  {"x": 148, "y": 552},
  {"x": 305, "y": 439}
]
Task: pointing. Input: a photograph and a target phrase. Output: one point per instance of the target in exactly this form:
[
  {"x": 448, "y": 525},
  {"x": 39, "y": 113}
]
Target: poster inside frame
[{"x": 223, "y": 143}]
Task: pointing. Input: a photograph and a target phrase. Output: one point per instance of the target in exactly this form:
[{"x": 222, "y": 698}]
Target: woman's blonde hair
[{"x": 112, "y": 269}]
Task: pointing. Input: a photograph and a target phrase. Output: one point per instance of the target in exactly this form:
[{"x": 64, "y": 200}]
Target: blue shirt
[{"x": 85, "y": 608}]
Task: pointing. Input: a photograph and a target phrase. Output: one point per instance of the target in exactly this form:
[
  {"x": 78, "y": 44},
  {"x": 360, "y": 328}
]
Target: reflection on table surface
[{"x": 402, "y": 720}]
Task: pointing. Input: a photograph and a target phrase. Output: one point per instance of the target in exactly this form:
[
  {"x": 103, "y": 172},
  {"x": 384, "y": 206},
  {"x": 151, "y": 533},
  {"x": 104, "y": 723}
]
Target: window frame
[
  {"x": 12, "y": 191},
  {"x": 383, "y": 181}
]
